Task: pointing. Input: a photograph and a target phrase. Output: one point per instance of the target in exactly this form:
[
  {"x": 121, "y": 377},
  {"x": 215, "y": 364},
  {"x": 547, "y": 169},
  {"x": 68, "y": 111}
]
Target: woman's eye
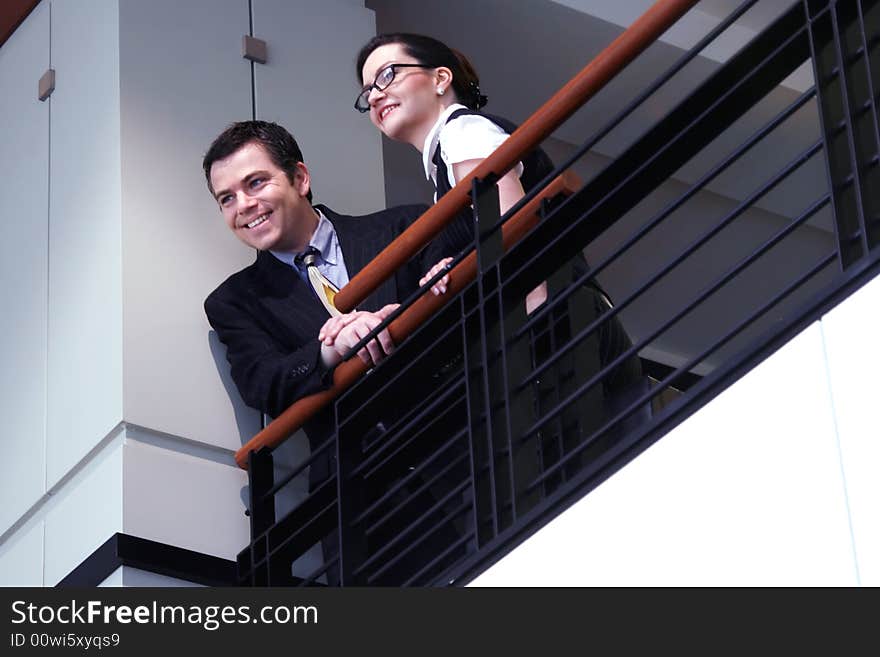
[{"x": 386, "y": 75}]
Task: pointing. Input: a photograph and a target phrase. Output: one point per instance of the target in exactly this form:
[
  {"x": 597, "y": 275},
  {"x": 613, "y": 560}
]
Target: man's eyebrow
[{"x": 258, "y": 172}]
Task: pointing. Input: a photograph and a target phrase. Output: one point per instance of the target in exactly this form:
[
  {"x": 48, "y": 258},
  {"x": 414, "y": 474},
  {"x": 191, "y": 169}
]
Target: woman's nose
[{"x": 375, "y": 95}]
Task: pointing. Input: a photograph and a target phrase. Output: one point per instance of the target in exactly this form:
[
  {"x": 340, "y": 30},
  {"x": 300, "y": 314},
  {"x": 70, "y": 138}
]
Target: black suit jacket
[{"x": 269, "y": 319}]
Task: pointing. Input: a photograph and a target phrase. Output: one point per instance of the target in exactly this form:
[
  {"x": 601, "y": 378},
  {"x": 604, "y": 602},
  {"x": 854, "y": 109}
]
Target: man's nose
[{"x": 245, "y": 202}]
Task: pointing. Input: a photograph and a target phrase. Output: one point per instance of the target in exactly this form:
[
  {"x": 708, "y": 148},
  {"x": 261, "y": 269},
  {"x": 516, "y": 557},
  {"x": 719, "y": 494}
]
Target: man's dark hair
[{"x": 278, "y": 142}]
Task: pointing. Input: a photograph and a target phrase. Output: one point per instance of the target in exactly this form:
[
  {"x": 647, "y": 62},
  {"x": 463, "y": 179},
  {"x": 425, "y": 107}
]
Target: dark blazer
[{"x": 269, "y": 319}]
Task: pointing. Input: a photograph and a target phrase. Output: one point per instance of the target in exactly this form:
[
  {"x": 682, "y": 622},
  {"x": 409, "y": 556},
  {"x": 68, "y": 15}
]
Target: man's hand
[
  {"x": 340, "y": 334},
  {"x": 440, "y": 286}
]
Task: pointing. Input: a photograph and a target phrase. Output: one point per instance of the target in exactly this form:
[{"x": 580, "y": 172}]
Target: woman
[{"x": 419, "y": 91}]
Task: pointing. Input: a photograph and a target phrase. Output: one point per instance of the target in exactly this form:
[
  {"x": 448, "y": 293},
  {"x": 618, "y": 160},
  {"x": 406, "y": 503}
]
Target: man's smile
[{"x": 259, "y": 220}]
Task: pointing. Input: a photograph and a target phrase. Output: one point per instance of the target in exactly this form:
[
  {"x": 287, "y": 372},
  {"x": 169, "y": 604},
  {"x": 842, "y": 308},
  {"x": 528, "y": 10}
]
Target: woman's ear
[{"x": 443, "y": 77}]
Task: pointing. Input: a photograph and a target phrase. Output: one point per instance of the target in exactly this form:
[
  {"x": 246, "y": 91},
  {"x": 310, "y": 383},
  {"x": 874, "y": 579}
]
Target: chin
[{"x": 392, "y": 132}]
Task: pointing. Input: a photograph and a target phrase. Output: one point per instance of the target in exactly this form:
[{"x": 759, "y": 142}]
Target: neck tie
[{"x": 323, "y": 288}]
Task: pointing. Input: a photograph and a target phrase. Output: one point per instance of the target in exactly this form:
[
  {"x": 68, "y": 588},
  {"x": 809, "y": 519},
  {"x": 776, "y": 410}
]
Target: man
[
  {"x": 281, "y": 342},
  {"x": 268, "y": 315}
]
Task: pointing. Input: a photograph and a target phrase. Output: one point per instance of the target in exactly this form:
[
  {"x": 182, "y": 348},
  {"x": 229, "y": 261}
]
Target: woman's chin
[{"x": 392, "y": 132}]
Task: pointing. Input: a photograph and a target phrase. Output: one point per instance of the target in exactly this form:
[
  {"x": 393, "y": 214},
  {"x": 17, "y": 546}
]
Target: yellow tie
[{"x": 324, "y": 289}]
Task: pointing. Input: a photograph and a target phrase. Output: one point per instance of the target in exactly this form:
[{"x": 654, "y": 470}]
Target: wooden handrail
[
  {"x": 592, "y": 78},
  {"x": 412, "y": 318}
]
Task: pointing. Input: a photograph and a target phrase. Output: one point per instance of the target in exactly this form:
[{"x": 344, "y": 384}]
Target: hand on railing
[
  {"x": 440, "y": 286},
  {"x": 341, "y": 333}
]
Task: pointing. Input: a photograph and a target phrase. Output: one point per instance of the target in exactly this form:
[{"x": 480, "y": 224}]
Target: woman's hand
[{"x": 440, "y": 286}]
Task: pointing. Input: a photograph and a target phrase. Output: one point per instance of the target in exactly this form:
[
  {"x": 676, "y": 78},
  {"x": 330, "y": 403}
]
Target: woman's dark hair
[
  {"x": 431, "y": 52},
  {"x": 278, "y": 142}
]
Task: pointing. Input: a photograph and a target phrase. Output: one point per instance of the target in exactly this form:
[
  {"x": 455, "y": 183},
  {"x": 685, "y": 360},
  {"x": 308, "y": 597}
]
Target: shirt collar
[
  {"x": 433, "y": 139},
  {"x": 322, "y": 239}
]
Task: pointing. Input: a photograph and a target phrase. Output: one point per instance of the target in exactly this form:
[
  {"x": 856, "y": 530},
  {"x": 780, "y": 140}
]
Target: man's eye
[
  {"x": 224, "y": 200},
  {"x": 256, "y": 182}
]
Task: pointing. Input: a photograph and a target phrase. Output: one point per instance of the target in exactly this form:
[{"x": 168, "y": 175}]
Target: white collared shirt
[
  {"x": 467, "y": 137},
  {"x": 330, "y": 263}
]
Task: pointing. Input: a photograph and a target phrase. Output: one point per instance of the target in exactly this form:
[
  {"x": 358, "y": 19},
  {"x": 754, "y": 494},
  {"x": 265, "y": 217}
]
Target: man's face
[{"x": 260, "y": 204}]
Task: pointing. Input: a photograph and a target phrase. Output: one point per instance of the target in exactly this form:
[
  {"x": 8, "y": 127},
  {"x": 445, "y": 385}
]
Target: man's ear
[{"x": 302, "y": 179}]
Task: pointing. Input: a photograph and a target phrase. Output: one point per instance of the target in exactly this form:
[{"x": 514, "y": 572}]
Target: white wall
[
  {"x": 183, "y": 80},
  {"x": 772, "y": 483},
  {"x": 24, "y": 158},
  {"x": 85, "y": 513},
  {"x": 190, "y": 500},
  {"x": 85, "y": 260},
  {"x": 309, "y": 85},
  {"x": 128, "y": 576},
  {"x": 160, "y": 489},
  {"x": 21, "y": 558},
  {"x": 850, "y": 332}
]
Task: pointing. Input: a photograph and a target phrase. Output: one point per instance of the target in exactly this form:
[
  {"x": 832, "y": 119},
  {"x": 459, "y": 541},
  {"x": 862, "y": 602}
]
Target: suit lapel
[
  {"x": 285, "y": 291},
  {"x": 360, "y": 243}
]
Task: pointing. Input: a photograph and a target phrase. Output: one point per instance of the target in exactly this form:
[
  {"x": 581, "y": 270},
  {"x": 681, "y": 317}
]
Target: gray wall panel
[
  {"x": 183, "y": 80},
  {"x": 184, "y": 500},
  {"x": 24, "y": 168},
  {"x": 308, "y": 85},
  {"x": 85, "y": 288},
  {"x": 85, "y": 513},
  {"x": 21, "y": 558}
]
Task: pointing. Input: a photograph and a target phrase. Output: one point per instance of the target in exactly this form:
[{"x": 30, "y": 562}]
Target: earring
[{"x": 440, "y": 91}]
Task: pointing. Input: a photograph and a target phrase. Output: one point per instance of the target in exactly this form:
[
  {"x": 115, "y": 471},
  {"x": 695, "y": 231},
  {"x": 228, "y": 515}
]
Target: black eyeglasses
[{"x": 383, "y": 79}]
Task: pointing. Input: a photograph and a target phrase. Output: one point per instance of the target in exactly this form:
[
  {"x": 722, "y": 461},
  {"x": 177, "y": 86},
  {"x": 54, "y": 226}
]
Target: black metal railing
[{"x": 729, "y": 225}]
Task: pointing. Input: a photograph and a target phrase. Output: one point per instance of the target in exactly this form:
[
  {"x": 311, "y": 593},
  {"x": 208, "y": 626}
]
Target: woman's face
[{"x": 407, "y": 108}]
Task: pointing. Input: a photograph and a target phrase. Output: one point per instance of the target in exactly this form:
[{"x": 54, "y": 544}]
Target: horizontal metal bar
[
  {"x": 384, "y": 388},
  {"x": 686, "y": 367},
  {"x": 704, "y": 180},
  {"x": 300, "y": 529},
  {"x": 299, "y": 469},
  {"x": 427, "y": 568},
  {"x": 412, "y": 421},
  {"x": 378, "y": 554},
  {"x": 392, "y": 562},
  {"x": 406, "y": 480},
  {"x": 692, "y": 248},
  {"x": 317, "y": 572},
  {"x": 368, "y": 467},
  {"x": 702, "y": 296}
]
